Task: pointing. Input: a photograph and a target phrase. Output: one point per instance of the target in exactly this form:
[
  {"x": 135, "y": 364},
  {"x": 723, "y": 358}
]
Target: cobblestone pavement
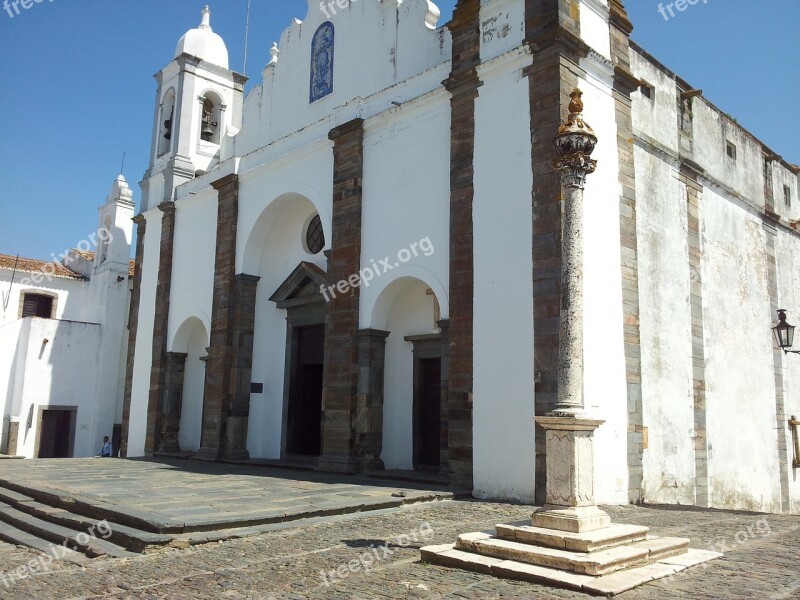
[{"x": 762, "y": 560}]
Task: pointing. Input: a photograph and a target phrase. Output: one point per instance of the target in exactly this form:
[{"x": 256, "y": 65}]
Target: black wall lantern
[{"x": 784, "y": 333}]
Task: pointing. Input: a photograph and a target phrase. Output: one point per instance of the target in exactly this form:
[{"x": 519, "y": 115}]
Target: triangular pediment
[{"x": 302, "y": 286}]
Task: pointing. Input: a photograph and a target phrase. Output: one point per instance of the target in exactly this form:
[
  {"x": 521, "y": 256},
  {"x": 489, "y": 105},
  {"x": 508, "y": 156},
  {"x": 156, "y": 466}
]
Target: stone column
[
  {"x": 133, "y": 327},
  {"x": 171, "y": 403},
  {"x": 340, "y": 379},
  {"x": 158, "y": 369},
  {"x": 570, "y": 504},
  {"x": 369, "y": 409}
]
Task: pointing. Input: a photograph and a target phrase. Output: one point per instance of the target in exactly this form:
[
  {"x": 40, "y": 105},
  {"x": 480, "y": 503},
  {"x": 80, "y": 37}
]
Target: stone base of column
[
  {"x": 235, "y": 454},
  {"x": 208, "y": 454},
  {"x": 168, "y": 446},
  {"x": 370, "y": 463},
  {"x": 337, "y": 464},
  {"x": 570, "y": 475},
  {"x": 574, "y": 519},
  {"x": 235, "y": 439}
]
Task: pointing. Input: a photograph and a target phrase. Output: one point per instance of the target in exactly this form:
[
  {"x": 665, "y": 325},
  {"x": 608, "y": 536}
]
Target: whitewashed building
[
  {"x": 359, "y": 263},
  {"x": 63, "y": 340}
]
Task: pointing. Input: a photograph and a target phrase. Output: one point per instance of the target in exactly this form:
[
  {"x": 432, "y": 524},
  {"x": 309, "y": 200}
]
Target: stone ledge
[
  {"x": 607, "y": 585},
  {"x": 589, "y": 541}
]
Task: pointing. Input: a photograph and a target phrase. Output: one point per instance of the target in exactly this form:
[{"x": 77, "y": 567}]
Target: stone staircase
[
  {"x": 58, "y": 526},
  {"x": 605, "y": 561}
]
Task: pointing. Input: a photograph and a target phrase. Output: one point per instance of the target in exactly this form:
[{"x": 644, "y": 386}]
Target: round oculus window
[{"x": 315, "y": 236}]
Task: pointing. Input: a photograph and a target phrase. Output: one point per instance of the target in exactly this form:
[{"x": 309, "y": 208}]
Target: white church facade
[
  {"x": 358, "y": 264},
  {"x": 63, "y": 340}
]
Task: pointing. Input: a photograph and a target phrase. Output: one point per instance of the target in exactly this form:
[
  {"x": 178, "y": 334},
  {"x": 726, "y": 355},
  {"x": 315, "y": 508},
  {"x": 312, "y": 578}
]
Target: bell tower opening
[
  {"x": 167, "y": 119},
  {"x": 210, "y": 119}
]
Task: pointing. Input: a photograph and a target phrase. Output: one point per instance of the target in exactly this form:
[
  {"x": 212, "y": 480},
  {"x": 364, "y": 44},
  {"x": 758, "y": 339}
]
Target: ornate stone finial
[
  {"x": 274, "y": 52},
  {"x": 206, "y": 21},
  {"x": 575, "y": 143}
]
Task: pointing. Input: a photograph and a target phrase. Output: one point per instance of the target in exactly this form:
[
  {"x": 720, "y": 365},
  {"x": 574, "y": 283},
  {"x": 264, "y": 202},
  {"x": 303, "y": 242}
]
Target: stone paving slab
[
  {"x": 288, "y": 562},
  {"x": 177, "y": 496}
]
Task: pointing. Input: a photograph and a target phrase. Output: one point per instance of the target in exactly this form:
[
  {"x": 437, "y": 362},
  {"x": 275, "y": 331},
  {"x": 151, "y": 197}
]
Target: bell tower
[{"x": 198, "y": 103}]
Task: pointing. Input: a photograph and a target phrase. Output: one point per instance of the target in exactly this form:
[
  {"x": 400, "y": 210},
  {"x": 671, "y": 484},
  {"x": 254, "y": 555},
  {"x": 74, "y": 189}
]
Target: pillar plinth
[{"x": 570, "y": 476}]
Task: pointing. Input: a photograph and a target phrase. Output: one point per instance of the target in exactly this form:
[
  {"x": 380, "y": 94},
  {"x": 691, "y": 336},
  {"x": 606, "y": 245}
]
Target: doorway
[
  {"x": 56, "y": 433},
  {"x": 427, "y": 413},
  {"x": 304, "y": 415}
]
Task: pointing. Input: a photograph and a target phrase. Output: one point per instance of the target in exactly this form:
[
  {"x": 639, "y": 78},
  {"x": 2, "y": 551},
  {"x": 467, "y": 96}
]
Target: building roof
[
  {"x": 34, "y": 265},
  {"x": 89, "y": 255}
]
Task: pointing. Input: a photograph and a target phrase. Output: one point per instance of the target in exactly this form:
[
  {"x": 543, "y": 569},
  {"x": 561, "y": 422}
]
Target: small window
[
  {"x": 315, "y": 236},
  {"x": 730, "y": 149},
  {"x": 787, "y": 196},
  {"x": 647, "y": 90},
  {"x": 767, "y": 174},
  {"x": 37, "y": 305}
]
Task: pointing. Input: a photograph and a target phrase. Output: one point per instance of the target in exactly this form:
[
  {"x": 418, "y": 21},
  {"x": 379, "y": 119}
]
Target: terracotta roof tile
[{"x": 34, "y": 265}]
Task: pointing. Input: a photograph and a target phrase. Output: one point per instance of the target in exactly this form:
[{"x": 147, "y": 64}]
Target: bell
[
  {"x": 168, "y": 128},
  {"x": 208, "y": 132}
]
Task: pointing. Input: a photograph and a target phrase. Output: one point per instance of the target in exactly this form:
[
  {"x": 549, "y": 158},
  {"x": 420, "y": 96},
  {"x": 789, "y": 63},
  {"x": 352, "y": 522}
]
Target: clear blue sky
[{"x": 77, "y": 89}]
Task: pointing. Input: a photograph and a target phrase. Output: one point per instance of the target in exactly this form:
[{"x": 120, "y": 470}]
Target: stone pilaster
[
  {"x": 444, "y": 450},
  {"x": 463, "y": 85},
  {"x": 240, "y": 366},
  {"x": 551, "y": 31},
  {"x": 625, "y": 84},
  {"x": 231, "y": 339},
  {"x": 158, "y": 369},
  {"x": 778, "y": 356},
  {"x": 171, "y": 403},
  {"x": 369, "y": 410},
  {"x": 340, "y": 379},
  {"x": 133, "y": 327},
  {"x": 692, "y": 192}
]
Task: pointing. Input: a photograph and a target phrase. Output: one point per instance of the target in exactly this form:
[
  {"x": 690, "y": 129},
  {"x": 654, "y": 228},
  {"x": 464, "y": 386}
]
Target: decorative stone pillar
[
  {"x": 171, "y": 403},
  {"x": 570, "y": 504}
]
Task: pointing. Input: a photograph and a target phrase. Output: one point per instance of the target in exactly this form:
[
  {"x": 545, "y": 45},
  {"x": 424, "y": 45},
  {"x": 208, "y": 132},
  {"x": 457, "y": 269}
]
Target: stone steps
[
  {"x": 605, "y": 561},
  {"x": 129, "y": 538},
  {"x": 599, "y": 539},
  {"x": 18, "y": 537},
  {"x": 82, "y": 541},
  {"x": 608, "y": 585}
]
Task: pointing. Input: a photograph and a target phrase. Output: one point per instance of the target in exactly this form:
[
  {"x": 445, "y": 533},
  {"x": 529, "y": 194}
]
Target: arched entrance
[
  {"x": 415, "y": 376},
  {"x": 191, "y": 341}
]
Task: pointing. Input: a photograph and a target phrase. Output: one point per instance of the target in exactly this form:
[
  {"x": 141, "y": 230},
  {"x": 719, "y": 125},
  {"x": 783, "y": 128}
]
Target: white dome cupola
[{"x": 203, "y": 43}]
